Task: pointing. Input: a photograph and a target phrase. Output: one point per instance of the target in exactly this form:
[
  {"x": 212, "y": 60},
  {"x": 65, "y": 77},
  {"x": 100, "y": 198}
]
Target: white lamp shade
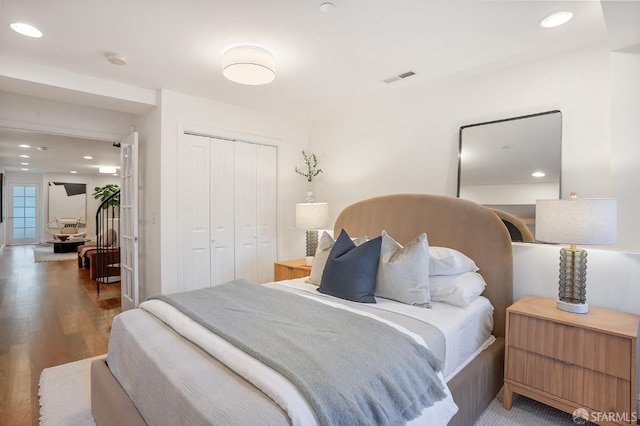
[
  {"x": 249, "y": 65},
  {"x": 578, "y": 221},
  {"x": 312, "y": 215}
]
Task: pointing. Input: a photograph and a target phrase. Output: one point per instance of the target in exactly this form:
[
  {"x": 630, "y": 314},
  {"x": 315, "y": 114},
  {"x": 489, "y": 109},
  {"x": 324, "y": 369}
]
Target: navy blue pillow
[{"x": 350, "y": 271}]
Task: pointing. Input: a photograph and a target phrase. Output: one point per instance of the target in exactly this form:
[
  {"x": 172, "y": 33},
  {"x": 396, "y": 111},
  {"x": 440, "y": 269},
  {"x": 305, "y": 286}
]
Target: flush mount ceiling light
[
  {"x": 24, "y": 146},
  {"x": 556, "y": 19},
  {"x": 538, "y": 174},
  {"x": 26, "y": 29},
  {"x": 250, "y": 65}
]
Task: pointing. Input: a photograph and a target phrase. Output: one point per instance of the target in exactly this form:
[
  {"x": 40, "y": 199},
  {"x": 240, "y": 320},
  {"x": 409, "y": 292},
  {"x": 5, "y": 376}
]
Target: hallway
[{"x": 50, "y": 314}]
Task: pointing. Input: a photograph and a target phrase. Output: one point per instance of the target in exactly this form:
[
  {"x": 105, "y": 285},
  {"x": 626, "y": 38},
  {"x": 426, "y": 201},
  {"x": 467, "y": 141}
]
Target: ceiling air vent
[{"x": 399, "y": 76}]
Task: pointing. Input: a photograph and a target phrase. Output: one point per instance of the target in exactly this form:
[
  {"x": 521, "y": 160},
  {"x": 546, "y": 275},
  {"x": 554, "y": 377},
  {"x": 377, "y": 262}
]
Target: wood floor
[{"x": 50, "y": 314}]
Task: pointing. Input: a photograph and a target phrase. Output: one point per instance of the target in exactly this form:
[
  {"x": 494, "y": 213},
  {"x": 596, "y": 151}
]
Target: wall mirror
[{"x": 508, "y": 164}]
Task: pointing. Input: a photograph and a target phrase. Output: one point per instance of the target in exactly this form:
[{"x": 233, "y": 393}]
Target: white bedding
[{"x": 465, "y": 331}]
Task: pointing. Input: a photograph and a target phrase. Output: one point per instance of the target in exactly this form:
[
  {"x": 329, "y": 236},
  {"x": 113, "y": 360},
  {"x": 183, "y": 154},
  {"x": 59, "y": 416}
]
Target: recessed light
[
  {"x": 88, "y": 157},
  {"x": 107, "y": 169},
  {"x": 24, "y": 164},
  {"x": 556, "y": 19},
  {"x": 73, "y": 171},
  {"x": 24, "y": 146},
  {"x": 538, "y": 174},
  {"x": 327, "y": 7},
  {"x": 26, "y": 29},
  {"x": 116, "y": 59},
  {"x": 23, "y": 156},
  {"x": 24, "y": 169}
]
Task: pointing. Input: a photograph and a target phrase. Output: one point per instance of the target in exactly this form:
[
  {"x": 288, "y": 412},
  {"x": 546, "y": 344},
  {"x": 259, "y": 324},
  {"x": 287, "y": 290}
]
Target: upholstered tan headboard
[{"x": 449, "y": 222}]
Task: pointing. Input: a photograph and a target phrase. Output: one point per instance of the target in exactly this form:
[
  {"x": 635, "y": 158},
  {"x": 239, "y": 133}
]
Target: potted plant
[
  {"x": 104, "y": 192},
  {"x": 312, "y": 171}
]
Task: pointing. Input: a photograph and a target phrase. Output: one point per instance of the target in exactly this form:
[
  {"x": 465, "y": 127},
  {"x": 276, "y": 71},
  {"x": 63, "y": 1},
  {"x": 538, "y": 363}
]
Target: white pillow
[
  {"x": 448, "y": 261},
  {"x": 403, "y": 272},
  {"x": 322, "y": 254},
  {"x": 458, "y": 290}
]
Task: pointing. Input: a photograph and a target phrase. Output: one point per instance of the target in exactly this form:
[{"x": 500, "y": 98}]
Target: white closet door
[
  {"x": 222, "y": 211},
  {"x": 245, "y": 212},
  {"x": 266, "y": 211},
  {"x": 194, "y": 226}
]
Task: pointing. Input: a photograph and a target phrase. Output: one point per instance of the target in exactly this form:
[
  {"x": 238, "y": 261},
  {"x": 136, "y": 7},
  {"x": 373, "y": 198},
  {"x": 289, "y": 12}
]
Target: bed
[{"x": 449, "y": 222}]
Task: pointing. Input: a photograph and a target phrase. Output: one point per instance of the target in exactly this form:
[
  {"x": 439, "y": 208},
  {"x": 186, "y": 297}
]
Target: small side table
[{"x": 290, "y": 269}]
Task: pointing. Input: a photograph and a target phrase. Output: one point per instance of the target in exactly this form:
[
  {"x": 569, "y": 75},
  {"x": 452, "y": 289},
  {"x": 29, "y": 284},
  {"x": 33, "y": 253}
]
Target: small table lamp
[
  {"x": 575, "y": 221},
  {"x": 312, "y": 216}
]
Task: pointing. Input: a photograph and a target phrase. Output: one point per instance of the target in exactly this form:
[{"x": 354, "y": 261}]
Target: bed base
[
  {"x": 473, "y": 388},
  {"x": 110, "y": 404},
  {"x": 477, "y": 384}
]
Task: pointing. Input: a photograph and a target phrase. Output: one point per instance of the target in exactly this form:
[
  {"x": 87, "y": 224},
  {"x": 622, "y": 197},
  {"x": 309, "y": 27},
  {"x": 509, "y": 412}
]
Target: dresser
[
  {"x": 572, "y": 361},
  {"x": 290, "y": 269}
]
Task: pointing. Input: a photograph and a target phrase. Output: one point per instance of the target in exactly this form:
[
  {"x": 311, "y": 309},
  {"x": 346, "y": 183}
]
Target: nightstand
[
  {"x": 571, "y": 361},
  {"x": 289, "y": 269}
]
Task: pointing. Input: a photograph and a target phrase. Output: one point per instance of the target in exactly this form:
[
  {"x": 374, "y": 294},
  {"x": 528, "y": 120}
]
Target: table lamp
[
  {"x": 312, "y": 216},
  {"x": 575, "y": 221}
]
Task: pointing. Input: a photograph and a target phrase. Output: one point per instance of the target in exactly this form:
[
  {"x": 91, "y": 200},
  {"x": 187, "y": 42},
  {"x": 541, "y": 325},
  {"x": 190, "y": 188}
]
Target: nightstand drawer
[
  {"x": 590, "y": 349},
  {"x": 582, "y": 386},
  {"x": 572, "y": 361}
]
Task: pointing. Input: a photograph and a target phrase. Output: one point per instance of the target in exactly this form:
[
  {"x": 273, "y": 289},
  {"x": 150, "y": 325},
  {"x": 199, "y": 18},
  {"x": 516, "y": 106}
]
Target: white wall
[
  {"x": 625, "y": 144},
  {"x": 92, "y": 204},
  {"x": 180, "y": 112},
  {"x": 43, "y": 180},
  {"x": 45, "y": 115},
  {"x": 410, "y": 145}
]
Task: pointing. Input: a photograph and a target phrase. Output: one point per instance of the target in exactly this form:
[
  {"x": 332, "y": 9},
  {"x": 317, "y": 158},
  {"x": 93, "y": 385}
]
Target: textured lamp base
[
  {"x": 312, "y": 242},
  {"x": 576, "y": 308},
  {"x": 572, "y": 294}
]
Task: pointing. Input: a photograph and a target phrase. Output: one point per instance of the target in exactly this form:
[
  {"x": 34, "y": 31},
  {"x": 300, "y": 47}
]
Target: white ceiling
[
  {"x": 57, "y": 154},
  {"x": 327, "y": 63}
]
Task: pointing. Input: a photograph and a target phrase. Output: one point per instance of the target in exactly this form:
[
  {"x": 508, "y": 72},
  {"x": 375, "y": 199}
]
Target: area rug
[
  {"x": 46, "y": 254},
  {"x": 65, "y": 399},
  {"x": 65, "y": 394},
  {"x": 524, "y": 412}
]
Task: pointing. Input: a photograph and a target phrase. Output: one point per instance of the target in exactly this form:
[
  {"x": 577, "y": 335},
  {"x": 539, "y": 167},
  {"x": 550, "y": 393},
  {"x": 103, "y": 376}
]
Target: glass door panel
[{"x": 24, "y": 209}]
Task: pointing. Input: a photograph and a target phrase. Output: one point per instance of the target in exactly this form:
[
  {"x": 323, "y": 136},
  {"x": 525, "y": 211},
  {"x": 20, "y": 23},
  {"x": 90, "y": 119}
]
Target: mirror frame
[{"x": 460, "y": 141}]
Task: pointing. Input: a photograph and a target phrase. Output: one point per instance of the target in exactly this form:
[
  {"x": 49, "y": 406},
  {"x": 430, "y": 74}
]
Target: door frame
[{"x": 9, "y": 217}]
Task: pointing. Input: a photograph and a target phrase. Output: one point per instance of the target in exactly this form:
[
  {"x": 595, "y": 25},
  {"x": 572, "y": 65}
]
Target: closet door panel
[
  {"x": 246, "y": 258},
  {"x": 222, "y": 211},
  {"x": 266, "y": 214},
  {"x": 193, "y": 200}
]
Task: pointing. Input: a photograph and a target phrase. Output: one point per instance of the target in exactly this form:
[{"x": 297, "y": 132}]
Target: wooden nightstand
[
  {"x": 571, "y": 361},
  {"x": 289, "y": 269}
]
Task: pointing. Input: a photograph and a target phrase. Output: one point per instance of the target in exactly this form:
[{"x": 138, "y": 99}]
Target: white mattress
[{"x": 466, "y": 330}]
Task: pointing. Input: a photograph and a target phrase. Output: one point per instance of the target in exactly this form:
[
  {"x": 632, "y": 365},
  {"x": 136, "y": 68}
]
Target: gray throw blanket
[{"x": 352, "y": 370}]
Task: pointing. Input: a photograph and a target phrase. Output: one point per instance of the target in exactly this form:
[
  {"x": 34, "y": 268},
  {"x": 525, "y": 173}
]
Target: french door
[
  {"x": 129, "y": 222},
  {"x": 23, "y": 205}
]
